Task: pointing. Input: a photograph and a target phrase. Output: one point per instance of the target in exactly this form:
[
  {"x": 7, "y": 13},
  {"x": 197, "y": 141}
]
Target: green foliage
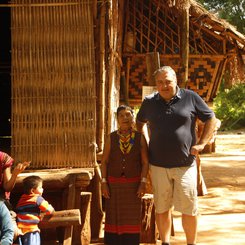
[
  {"x": 231, "y": 10},
  {"x": 229, "y": 107}
]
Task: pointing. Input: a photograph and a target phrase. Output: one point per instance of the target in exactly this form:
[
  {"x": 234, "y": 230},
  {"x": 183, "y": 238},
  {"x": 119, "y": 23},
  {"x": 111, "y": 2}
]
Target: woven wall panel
[
  {"x": 53, "y": 84},
  {"x": 202, "y": 74}
]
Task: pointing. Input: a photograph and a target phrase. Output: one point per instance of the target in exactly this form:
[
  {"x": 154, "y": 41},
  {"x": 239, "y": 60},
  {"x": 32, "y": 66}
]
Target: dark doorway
[{"x": 5, "y": 78}]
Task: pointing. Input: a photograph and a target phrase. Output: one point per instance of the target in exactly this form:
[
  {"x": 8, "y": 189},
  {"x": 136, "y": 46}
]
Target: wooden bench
[
  {"x": 62, "y": 188},
  {"x": 61, "y": 218},
  {"x": 64, "y": 218}
]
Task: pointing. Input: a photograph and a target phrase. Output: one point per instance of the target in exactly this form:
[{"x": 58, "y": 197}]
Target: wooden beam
[
  {"x": 56, "y": 179},
  {"x": 85, "y": 206},
  {"x": 201, "y": 56},
  {"x": 205, "y": 29},
  {"x": 10, "y": 5},
  {"x": 152, "y": 64},
  {"x": 61, "y": 218},
  {"x": 214, "y": 78},
  {"x": 184, "y": 41},
  {"x": 127, "y": 79},
  {"x": 220, "y": 75},
  {"x": 70, "y": 204},
  {"x": 149, "y": 27}
]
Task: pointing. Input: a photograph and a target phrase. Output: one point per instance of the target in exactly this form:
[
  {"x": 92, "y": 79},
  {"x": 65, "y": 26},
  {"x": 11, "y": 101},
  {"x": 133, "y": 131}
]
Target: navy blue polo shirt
[{"x": 172, "y": 126}]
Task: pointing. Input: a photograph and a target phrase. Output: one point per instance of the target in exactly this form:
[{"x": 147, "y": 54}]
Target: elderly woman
[{"x": 124, "y": 169}]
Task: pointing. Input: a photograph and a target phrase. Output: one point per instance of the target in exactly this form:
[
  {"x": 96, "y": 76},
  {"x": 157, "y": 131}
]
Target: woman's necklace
[{"x": 126, "y": 141}]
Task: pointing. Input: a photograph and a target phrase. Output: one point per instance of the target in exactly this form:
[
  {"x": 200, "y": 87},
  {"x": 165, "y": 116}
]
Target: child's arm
[{"x": 45, "y": 206}]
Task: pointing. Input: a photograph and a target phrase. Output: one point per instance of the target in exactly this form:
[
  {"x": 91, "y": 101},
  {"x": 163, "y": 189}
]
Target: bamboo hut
[
  {"x": 73, "y": 62},
  {"x": 141, "y": 27}
]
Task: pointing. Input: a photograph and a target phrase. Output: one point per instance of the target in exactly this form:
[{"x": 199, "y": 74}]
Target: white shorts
[{"x": 175, "y": 187}]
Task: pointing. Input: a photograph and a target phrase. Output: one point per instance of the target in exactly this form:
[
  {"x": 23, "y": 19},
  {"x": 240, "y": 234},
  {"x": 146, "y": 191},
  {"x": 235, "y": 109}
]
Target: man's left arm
[{"x": 208, "y": 130}]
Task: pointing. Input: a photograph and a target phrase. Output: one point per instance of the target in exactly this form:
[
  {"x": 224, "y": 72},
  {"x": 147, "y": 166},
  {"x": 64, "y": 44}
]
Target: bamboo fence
[{"x": 53, "y": 84}]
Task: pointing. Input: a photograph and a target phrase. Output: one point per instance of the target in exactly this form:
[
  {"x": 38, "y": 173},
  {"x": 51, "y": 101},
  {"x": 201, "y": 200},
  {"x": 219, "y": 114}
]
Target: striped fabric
[
  {"x": 6, "y": 161},
  {"x": 123, "y": 210},
  {"x": 121, "y": 229},
  {"x": 112, "y": 179},
  {"x": 28, "y": 212}
]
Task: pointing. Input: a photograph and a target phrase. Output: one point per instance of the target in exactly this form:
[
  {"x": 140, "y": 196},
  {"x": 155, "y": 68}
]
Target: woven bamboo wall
[
  {"x": 203, "y": 72},
  {"x": 53, "y": 84}
]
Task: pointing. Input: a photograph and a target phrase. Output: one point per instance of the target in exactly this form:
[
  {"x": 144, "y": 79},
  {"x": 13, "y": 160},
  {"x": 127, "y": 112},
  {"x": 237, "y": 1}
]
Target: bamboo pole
[
  {"x": 113, "y": 93},
  {"x": 184, "y": 6},
  {"x": 102, "y": 79}
]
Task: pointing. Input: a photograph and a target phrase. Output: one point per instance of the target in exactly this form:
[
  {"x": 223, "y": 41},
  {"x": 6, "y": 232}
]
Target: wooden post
[
  {"x": 148, "y": 232},
  {"x": 96, "y": 204},
  {"x": 85, "y": 208},
  {"x": 152, "y": 64},
  {"x": 184, "y": 7},
  {"x": 70, "y": 204},
  {"x": 123, "y": 86},
  {"x": 102, "y": 78},
  {"x": 127, "y": 79}
]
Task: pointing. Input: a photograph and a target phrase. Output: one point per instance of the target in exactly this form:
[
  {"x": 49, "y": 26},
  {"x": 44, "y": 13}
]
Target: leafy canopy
[{"x": 229, "y": 107}]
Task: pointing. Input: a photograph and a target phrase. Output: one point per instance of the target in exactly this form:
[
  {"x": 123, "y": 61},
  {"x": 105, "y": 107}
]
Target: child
[{"x": 28, "y": 210}]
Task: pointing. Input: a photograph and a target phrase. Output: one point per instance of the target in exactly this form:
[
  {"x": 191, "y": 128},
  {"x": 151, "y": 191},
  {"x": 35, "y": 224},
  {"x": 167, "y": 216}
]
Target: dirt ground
[{"x": 222, "y": 210}]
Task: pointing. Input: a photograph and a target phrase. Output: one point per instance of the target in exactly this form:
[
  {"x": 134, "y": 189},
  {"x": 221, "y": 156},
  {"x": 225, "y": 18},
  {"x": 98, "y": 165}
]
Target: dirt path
[{"x": 222, "y": 211}]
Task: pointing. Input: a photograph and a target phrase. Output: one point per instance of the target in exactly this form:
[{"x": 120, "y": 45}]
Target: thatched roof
[{"x": 217, "y": 25}]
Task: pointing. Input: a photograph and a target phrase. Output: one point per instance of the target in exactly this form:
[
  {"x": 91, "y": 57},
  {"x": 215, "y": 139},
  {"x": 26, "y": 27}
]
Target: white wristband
[
  {"x": 103, "y": 180},
  {"x": 144, "y": 180}
]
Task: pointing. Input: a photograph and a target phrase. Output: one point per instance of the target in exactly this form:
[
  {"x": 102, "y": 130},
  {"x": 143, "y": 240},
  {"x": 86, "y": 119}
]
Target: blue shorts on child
[{"x": 30, "y": 238}]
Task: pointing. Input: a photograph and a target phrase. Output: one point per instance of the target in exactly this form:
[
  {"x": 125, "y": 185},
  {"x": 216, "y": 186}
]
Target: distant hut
[{"x": 132, "y": 29}]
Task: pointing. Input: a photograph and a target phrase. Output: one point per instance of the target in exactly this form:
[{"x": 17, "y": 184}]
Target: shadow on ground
[{"x": 222, "y": 210}]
